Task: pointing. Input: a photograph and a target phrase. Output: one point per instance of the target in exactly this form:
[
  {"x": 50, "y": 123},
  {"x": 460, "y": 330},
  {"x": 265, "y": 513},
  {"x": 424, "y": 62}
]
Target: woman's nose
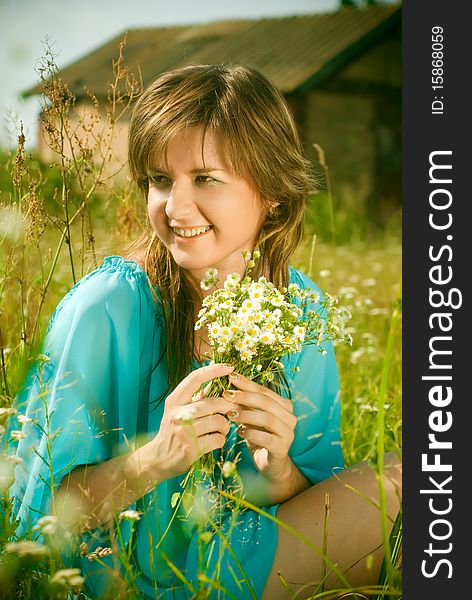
[{"x": 179, "y": 201}]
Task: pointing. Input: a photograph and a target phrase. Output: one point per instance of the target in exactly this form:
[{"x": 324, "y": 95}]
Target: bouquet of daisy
[{"x": 252, "y": 324}]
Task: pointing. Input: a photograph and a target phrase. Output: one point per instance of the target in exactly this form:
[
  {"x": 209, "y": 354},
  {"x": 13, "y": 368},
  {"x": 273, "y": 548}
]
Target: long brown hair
[{"x": 253, "y": 123}]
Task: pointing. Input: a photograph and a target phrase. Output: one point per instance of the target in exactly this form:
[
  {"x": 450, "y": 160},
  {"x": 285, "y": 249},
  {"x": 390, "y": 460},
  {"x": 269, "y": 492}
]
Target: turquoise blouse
[{"x": 94, "y": 395}]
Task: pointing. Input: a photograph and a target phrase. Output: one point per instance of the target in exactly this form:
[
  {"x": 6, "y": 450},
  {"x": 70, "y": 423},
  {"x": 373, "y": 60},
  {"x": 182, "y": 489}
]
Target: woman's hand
[
  {"x": 267, "y": 423},
  {"x": 191, "y": 425}
]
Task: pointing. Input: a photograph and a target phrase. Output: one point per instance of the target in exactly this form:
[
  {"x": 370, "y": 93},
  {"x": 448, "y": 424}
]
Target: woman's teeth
[{"x": 192, "y": 232}]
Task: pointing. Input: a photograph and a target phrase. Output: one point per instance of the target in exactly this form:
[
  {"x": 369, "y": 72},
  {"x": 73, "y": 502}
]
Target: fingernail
[
  {"x": 229, "y": 394},
  {"x": 241, "y": 429},
  {"x": 233, "y": 376},
  {"x": 233, "y": 414}
]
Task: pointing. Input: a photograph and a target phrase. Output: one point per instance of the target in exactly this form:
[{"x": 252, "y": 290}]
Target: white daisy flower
[
  {"x": 267, "y": 337},
  {"x": 246, "y": 355}
]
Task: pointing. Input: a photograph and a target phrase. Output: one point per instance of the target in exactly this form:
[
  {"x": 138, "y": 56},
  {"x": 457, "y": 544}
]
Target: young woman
[{"x": 216, "y": 153}]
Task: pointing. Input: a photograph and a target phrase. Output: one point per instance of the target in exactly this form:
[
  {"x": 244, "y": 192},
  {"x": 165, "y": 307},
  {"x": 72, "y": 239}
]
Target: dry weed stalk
[{"x": 48, "y": 209}]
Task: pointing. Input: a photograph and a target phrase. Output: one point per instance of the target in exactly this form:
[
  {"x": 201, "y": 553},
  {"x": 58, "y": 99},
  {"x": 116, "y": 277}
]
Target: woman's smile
[{"x": 189, "y": 233}]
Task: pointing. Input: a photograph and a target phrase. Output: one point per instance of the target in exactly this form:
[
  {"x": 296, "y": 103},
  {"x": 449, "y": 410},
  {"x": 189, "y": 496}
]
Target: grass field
[{"x": 53, "y": 219}]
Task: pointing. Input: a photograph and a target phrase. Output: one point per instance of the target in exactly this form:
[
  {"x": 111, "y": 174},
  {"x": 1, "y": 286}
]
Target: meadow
[{"x": 56, "y": 224}]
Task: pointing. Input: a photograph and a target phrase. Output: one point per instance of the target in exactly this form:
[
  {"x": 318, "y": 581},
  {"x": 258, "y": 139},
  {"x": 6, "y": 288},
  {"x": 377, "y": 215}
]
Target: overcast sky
[{"x": 76, "y": 27}]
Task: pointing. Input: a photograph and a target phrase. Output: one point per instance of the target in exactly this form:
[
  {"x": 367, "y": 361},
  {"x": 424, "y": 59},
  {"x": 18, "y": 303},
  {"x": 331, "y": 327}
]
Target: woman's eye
[
  {"x": 205, "y": 179},
  {"x": 160, "y": 181}
]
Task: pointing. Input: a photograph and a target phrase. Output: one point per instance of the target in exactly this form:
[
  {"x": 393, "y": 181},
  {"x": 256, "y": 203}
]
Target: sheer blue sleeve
[
  {"x": 316, "y": 449},
  {"x": 83, "y": 397}
]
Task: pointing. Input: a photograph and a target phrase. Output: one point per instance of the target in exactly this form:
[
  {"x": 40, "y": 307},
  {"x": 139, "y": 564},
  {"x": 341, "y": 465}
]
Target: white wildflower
[
  {"x": 17, "y": 434},
  {"x": 246, "y": 355},
  {"x": 130, "y": 515},
  {"x": 356, "y": 355},
  {"x": 368, "y": 408},
  {"x": 253, "y": 332},
  {"x": 267, "y": 337},
  {"x": 26, "y": 548},
  {"x": 185, "y": 415},
  {"x": 67, "y": 578},
  {"x": 210, "y": 280},
  {"x": 294, "y": 289},
  {"x": 214, "y": 330},
  {"x": 7, "y": 412},
  {"x": 228, "y": 469},
  {"x": 23, "y": 419},
  {"x": 47, "y": 524}
]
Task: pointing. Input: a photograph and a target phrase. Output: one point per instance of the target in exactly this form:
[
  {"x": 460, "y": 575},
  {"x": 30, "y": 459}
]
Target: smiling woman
[{"x": 120, "y": 384}]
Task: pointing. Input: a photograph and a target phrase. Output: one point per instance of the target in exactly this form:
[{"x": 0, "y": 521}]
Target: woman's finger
[
  {"x": 210, "y": 424},
  {"x": 264, "y": 421},
  {"x": 262, "y": 402},
  {"x": 189, "y": 386},
  {"x": 208, "y": 406},
  {"x": 266, "y": 440},
  {"x": 247, "y": 385},
  {"x": 210, "y": 442}
]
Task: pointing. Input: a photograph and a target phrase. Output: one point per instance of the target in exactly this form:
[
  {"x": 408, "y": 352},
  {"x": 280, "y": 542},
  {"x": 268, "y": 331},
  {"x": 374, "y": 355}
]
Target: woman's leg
[{"x": 354, "y": 530}]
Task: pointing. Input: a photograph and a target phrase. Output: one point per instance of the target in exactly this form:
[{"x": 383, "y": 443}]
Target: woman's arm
[
  {"x": 282, "y": 486},
  {"x": 93, "y": 494}
]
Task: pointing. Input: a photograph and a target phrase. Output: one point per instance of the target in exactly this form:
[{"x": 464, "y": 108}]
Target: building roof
[{"x": 296, "y": 53}]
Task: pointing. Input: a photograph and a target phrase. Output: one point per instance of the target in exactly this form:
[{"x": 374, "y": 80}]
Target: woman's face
[{"x": 202, "y": 212}]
